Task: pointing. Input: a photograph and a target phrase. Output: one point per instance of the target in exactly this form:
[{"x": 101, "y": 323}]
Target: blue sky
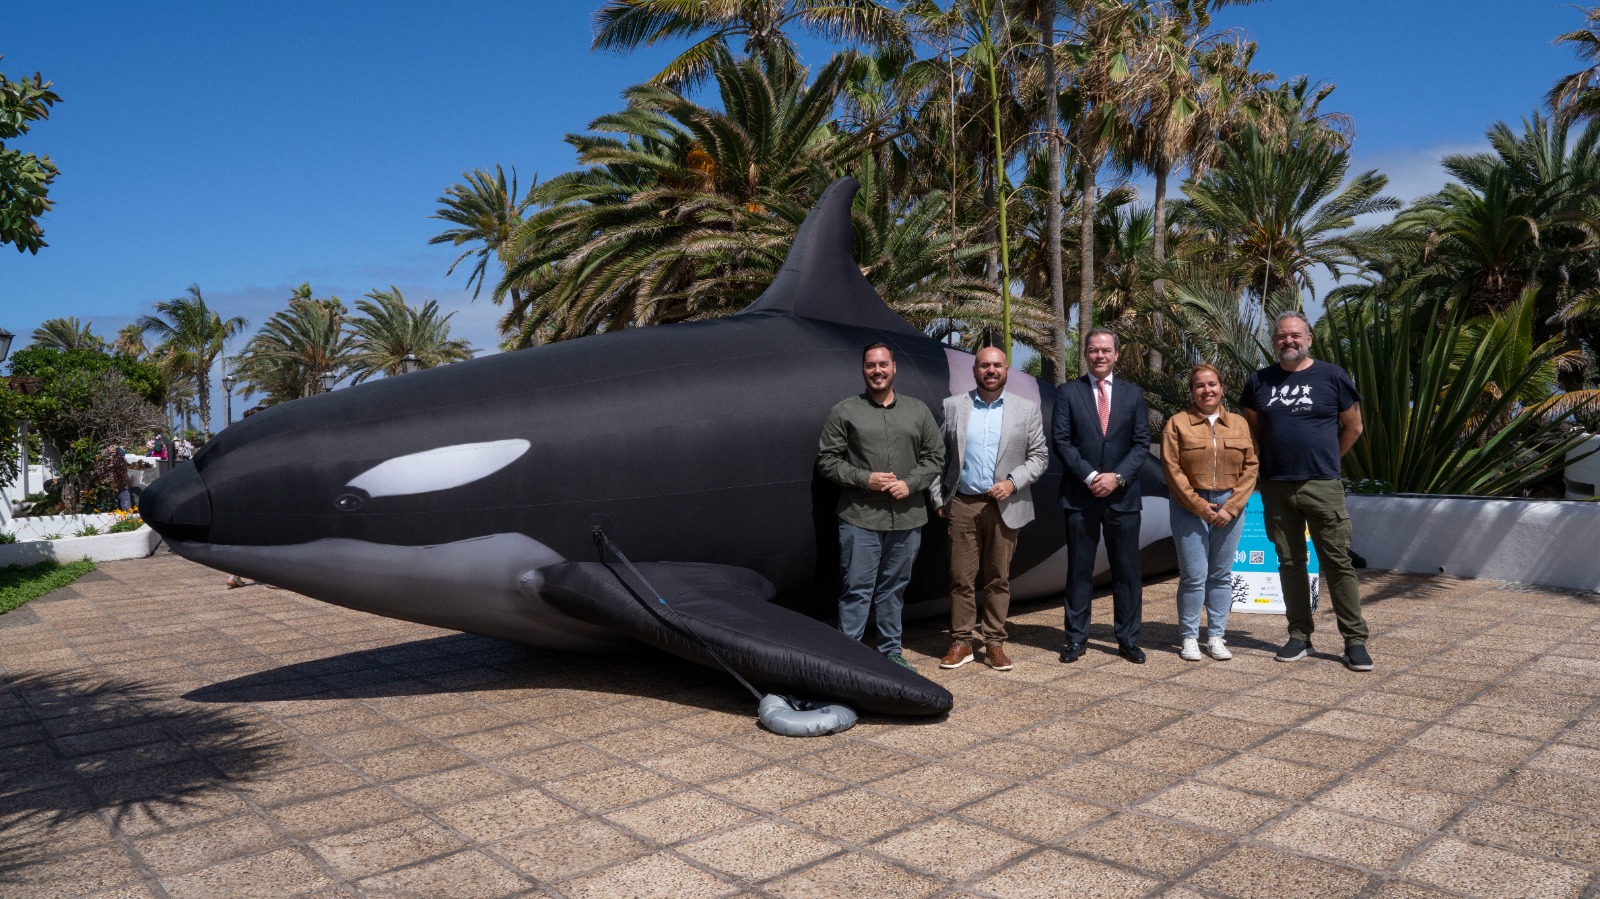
[{"x": 251, "y": 147}]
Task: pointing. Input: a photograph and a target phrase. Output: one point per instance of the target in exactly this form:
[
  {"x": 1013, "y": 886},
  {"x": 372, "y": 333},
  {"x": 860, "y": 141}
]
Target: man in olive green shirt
[{"x": 883, "y": 450}]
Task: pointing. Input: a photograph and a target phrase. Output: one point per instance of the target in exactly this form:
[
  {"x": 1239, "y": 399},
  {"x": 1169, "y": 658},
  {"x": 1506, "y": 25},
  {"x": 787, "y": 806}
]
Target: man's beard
[{"x": 1291, "y": 355}]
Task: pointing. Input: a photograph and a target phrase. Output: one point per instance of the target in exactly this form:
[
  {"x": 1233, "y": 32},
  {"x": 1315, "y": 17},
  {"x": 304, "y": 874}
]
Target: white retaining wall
[
  {"x": 103, "y": 548},
  {"x": 1548, "y": 542}
]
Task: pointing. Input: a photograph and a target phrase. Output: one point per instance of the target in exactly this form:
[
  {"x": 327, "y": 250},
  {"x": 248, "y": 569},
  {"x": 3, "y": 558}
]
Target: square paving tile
[
  {"x": 394, "y": 844},
  {"x": 774, "y": 787},
  {"x": 1342, "y": 838},
  {"x": 180, "y": 851},
  {"x": 943, "y": 787},
  {"x": 759, "y": 850},
  {"x": 1213, "y": 806},
  {"x": 467, "y": 875},
  {"x": 1254, "y": 872},
  {"x": 949, "y": 848},
  {"x": 568, "y": 849},
  {"x": 1490, "y": 872},
  {"x": 679, "y": 816},
  {"x": 1532, "y": 831},
  {"x": 1158, "y": 845},
  {"x": 1051, "y": 873},
  {"x": 507, "y": 814},
  {"x": 658, "y": 876},
  {"x": 1383, "y": 800},
  {"x": 1275, "y": 777},
  {"x": 611, "y": 788},
  {"x": 854, "y": 875},
  {"x": 856, "y": 815},
  {"x": 1033, "y": 813},
  {"x": 282, "y": 872}
]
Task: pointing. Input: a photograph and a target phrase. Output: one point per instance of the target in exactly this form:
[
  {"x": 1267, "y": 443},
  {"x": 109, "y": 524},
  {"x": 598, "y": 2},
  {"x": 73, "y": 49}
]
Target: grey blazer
[{"x": 1023, "y": 455}]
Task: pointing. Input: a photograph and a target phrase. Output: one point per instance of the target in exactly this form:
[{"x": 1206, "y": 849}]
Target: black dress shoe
[
  {"x": 1071, "y": 652},
  {"x": 1132, "y": 653}
]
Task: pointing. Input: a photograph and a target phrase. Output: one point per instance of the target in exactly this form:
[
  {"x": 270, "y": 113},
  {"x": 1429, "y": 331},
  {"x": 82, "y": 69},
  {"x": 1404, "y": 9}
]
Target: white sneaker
[
  {"x": 1191, "y": 650},
  {"x": 1219, "y": 649}
]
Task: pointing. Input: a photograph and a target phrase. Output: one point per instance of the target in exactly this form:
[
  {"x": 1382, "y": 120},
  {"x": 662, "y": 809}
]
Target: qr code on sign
[{"x": 1258, "y": 557}]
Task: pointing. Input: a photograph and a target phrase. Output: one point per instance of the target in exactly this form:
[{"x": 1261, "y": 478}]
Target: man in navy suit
[{"x": 1101, "y": 432}]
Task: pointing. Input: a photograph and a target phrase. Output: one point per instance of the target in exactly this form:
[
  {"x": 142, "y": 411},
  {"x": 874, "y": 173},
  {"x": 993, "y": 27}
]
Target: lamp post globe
[
  {"x": 227, "y": 398},
  {"x": 5, "y": 343},
  {"x": 329, "y": 378},
  {"x": 409, "y": 362}
]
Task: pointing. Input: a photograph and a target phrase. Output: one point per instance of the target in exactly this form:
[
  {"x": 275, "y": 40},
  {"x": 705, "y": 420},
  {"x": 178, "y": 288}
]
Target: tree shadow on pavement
[{"x": 114, "y": 750}]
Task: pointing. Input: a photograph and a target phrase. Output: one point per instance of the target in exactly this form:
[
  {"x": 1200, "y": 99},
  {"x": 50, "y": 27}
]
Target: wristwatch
[{"x": 1121, "y": 481}]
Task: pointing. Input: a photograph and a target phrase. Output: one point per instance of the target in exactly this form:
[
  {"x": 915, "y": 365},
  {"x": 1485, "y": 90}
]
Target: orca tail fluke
[{"x": 726, "y": 609}]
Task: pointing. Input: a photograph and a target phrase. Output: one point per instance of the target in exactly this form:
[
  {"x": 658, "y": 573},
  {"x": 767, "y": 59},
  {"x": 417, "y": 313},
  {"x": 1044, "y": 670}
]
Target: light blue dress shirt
[{"x": 982, "y": 451}]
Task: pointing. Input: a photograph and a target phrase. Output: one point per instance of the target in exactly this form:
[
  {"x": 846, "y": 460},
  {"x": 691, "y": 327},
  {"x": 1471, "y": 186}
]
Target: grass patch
[
  {"x": 131, "y": 523},
  {"x": 19, "y": 585}
]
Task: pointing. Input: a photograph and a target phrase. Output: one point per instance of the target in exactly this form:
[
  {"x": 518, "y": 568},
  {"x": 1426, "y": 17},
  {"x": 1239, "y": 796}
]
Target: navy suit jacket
[{"x": 1076, "y": 439}]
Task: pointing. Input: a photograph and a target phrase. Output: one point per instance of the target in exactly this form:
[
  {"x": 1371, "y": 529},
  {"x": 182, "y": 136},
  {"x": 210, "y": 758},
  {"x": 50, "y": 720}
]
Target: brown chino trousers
[{"x": 979, "y": 539}]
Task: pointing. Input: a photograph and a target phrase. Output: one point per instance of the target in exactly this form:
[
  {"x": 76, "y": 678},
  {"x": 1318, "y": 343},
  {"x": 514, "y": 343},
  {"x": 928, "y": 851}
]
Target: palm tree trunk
[
  {"x": 1055, "y": 363},
  {"x": 1090, "y": 162},
  {"x": 205, "y": 403},
  {"x": 1158, "y": 247},
  {"x": 999, "y": 183}
]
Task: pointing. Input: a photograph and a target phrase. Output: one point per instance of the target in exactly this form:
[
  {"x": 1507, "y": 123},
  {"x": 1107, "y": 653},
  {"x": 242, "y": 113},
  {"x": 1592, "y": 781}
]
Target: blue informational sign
[{"x": 1256, "y": 586}]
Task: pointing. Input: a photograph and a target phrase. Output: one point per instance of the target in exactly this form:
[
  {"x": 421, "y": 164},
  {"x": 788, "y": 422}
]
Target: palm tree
[
  {"x": 684, "y": 210},
  {"x": 388, "y": 330},
  {"x": 285, "y": 360},
  {"x": 1577, "y": 96},
  {"x": 67, "y": 334},
  {"x": 1275, "y": 212},
  {"x": 1205, "y": 84},
  {"x": 130, "y": 342},
  {"x": 626, "y": 25},
  {"x": 191, "y": 337},
  {"x": 485, "y": 212},
  {"x": 1103, "y": 88},
  {"x": 1525, "y": 213}
]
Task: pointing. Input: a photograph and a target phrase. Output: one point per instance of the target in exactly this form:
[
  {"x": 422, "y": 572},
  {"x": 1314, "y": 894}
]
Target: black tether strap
[{"x": 602, "y": 540}]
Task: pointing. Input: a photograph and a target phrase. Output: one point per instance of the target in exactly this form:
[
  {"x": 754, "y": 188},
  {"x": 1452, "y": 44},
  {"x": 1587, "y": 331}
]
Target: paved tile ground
[{"x": 163, "y": 736}]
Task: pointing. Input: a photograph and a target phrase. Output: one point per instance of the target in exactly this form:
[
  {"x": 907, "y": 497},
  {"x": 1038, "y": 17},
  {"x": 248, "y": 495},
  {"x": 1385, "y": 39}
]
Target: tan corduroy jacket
[{"x": 1195, "y": 455}]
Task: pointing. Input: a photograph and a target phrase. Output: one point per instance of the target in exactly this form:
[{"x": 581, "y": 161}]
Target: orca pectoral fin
[{"x": 727, "y": 609}]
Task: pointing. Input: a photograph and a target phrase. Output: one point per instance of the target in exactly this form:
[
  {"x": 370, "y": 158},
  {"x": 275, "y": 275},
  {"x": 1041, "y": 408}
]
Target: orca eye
[{"x": 349, "y": 502}]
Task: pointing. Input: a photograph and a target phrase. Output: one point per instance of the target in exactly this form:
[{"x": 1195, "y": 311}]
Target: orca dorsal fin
[{"x": 820, "y": 279}]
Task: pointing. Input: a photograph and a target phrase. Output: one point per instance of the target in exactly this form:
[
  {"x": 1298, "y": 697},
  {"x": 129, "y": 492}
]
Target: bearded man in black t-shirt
[{"x": 1306, "y": 414}]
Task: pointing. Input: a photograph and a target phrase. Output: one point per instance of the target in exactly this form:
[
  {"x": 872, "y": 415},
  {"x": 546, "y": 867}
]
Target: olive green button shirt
[{"x": 861, "y": 437}]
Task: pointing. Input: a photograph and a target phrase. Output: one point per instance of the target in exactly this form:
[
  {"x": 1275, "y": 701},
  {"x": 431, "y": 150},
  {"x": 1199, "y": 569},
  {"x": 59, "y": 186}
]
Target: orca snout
[{"x": 177, "y": 505}]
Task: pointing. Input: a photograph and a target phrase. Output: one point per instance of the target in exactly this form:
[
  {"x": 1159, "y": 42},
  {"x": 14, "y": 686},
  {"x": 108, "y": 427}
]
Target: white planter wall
[
  {"x": 102, "y": 548},
  {"x": 1547, "y": 542}
]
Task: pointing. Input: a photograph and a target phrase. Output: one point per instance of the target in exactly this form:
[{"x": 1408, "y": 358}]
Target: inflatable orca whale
[{"x": 465, "y": 496}]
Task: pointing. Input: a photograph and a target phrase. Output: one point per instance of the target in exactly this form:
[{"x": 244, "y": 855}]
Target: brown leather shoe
[
  {"x": 960, "y": 654},
  {"x": 995, "y": 655}
]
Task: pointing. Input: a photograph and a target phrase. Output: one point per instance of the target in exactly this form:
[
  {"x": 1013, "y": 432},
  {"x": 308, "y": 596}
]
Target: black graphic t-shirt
[{"x": 1297, "y": 414}]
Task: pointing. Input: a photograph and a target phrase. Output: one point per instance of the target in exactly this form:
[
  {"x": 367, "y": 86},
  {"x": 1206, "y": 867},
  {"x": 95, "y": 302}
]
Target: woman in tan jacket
[{"x": 1210, "y": 463}]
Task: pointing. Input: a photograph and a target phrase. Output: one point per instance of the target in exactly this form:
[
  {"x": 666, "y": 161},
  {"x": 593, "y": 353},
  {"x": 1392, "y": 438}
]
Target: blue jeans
[
  {"x": 1205, "y": 565},
  {"x": 876, "y": 566}
]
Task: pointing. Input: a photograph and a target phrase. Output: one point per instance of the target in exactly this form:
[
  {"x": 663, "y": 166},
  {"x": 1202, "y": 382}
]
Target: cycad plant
[{"x": 1448, "y": 403}]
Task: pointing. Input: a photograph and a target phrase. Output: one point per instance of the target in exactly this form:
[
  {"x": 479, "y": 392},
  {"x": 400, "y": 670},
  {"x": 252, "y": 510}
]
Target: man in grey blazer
[{"x": 994, "y": 449}]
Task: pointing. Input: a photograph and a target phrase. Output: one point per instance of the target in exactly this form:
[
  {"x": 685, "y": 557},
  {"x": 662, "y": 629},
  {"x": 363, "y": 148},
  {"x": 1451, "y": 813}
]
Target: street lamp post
[
  {"x": 329, "y": 378},
  {"x": 409, "y": 362},
  {"x": 227, "y": 398}
]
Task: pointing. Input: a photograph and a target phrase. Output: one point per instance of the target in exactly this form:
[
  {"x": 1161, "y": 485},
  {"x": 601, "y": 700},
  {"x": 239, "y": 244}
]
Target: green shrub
[
  {"x": 87, "y": 530},
  {"x": 7, "y": 537},
  {"x": 131, "y": 523}
]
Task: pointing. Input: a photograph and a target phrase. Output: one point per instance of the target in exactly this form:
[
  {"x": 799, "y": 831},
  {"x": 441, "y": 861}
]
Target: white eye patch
[{"x": 439, "y": 469}]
